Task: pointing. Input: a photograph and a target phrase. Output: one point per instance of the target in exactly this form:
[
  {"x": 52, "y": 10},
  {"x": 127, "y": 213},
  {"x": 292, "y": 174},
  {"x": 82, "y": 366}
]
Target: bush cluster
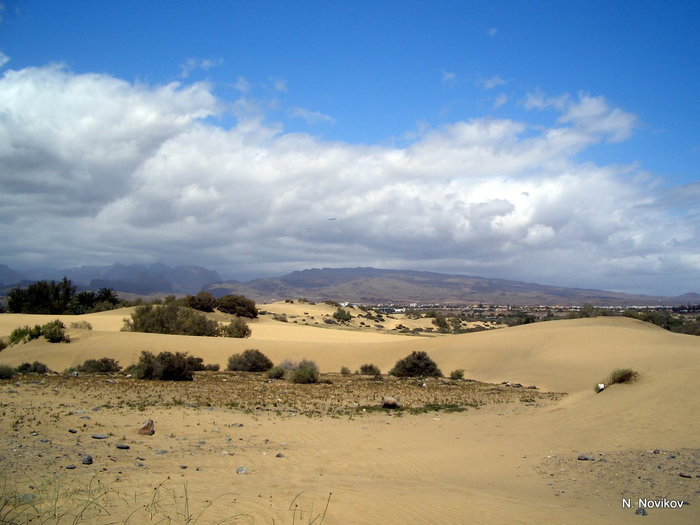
[
  {"x": 417, "y": 364},
  {"x": 54, "y": 332},
  {"x": 166, "y": 366},
  {"x": 251, "y": 360},
  {"x": 104, "y": 365}
]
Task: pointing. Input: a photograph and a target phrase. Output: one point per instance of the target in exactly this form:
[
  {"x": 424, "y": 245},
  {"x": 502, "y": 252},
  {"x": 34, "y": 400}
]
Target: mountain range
[{"x": 358, "y": 285}]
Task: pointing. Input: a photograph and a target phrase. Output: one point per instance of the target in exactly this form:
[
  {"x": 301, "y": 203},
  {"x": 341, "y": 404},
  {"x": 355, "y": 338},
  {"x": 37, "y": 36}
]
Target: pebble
[
  {"x": 100, "y": 436},
  {"x": 87, "y": 459},
  {"x": 122, "y": 446}
]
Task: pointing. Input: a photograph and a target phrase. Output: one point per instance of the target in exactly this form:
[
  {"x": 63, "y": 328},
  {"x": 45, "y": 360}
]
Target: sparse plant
[
  {"x": 251, "y": 360},
  {"x": 305, "y": 372},
  {"x": 457, "y": 374},
  {"x": 418, "y": 363},
  {"x": 370, "y": 370}
]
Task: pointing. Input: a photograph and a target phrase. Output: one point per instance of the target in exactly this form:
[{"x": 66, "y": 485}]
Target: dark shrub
[
  {"x": 166, "y": 366},
  {"x": 170, "y": 319},
  {"x": 342, "y": 316},
  {"x": 250, "y": 360},
  {"x": 6, "y": 372},
  {"x": 414, "y": 365},
  {"x": 55, "y": 332},
  {"x": 35, "y": 368},
  {"x": 236, "y": 328},
  {"x": 304, "y": 373},
  {"x": 370, "y": 370},
  {"x": 104, "y": 365},
  {"x": 237, "y": 305},
  {"x": 203, "y": 301}
]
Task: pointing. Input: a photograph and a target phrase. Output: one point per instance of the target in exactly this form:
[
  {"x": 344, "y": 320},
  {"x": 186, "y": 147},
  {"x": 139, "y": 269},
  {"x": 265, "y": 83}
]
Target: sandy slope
[{"x": 500, "y": 464}]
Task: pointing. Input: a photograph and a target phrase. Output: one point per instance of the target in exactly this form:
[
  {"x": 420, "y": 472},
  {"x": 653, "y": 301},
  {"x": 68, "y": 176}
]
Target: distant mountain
[
  {"x": 373, "y": 286},
  {"x": 137, "y": 278},
  {"x": 8, "y": 276}
]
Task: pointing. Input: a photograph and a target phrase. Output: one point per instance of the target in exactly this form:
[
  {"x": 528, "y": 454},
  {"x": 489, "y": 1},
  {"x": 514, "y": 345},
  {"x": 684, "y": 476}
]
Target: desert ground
[{"x": 235, "y": 448}]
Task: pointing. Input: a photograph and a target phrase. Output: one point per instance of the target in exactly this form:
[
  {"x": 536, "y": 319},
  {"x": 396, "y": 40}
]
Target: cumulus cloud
[{"x": 96, "y": 170}]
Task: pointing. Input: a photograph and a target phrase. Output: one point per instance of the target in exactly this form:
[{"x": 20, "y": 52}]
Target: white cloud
[
  {"x": 490, "y": 83},
  {"x": 96, "y": 170},
  {"x": 311, "y": 117}
]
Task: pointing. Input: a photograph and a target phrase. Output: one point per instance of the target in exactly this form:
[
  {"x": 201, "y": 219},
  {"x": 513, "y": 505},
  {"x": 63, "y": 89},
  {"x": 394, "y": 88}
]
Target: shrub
[
  {"x": 203, "y": 301},
  {"x": 238, "y": 305},
  {"x": 236, "y": 328},
  {"x": 457, "y": 374},
  {"x": 24, "y": 334},
  {"x": 35, "y": 368},
  {"x": 342, "y": 316},
  {"x": 55, "y": 332},
  {"x": 276, "y": 372},
  {"x": 170, "y": 319},
  {"x": 166, "y": 366},
  {"x": 370, "y": 370},
  {"x": 344, "y": 370},
  {"x": 416, "y": 364},
  {"x": 104, "y": 365},
  {"x": 6, "y": 372},
  {"x": 251, "y": 360},
  {"x": 305, "y": 372},
  {"x": 81, "y": 325}
]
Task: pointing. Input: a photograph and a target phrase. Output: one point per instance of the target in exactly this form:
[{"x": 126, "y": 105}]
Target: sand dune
[{"x": 501, "y": 464}]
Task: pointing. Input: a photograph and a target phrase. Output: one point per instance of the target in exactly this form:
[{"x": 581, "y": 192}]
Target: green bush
[
  {"x": 276, "y": 372},
  {"x": 305, "y": 372},
  {"x": 237, "y": 305},
  {"x": 416, "y": 364},
  {"x": 236, "y": 328},
  {"x": 166, "y": 366},
  {"x": 457, "y": 374},
  {"x": 24, "y": 334},
  {"x": 35, "y": 368},
  {"x": 55, "y": 332},
  {"x": 104, "y": 365},
  {"x": 370, "y": 370},
  {"x": 170, "y": 319},
  {"x": 6, "y": 372},
  {"x": 342, "y": 316},
  {"x": 251, "y": 360}
]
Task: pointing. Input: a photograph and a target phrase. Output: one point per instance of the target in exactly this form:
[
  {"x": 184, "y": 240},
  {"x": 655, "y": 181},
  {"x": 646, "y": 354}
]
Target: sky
[{"x": 549, "y": 142}]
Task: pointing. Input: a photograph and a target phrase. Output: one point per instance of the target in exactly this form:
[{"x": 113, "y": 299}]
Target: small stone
[
  {"x": 100, "y": 436},
  {"x": 585, "y": 457},
  {"x": 641, "y": 511},
  {"x": 122, "y": 446},
  {"x": 87, "y": 459}
]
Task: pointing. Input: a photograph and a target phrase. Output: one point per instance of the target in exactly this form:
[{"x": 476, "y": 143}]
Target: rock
[
  {"x": 640, "y": 511},
  {"x": 390, "y": 402},
  {"x": 585, "y": 457},
  {"x": 148, "y": 428},
  {"x": 100, "y": 436},
  {"x": 122, "y": 446},
  {"x": 87, "y": 459}
]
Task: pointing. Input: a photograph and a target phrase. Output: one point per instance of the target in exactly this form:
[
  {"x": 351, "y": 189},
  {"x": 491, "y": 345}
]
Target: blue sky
[{"x": 555, "y": 142}]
